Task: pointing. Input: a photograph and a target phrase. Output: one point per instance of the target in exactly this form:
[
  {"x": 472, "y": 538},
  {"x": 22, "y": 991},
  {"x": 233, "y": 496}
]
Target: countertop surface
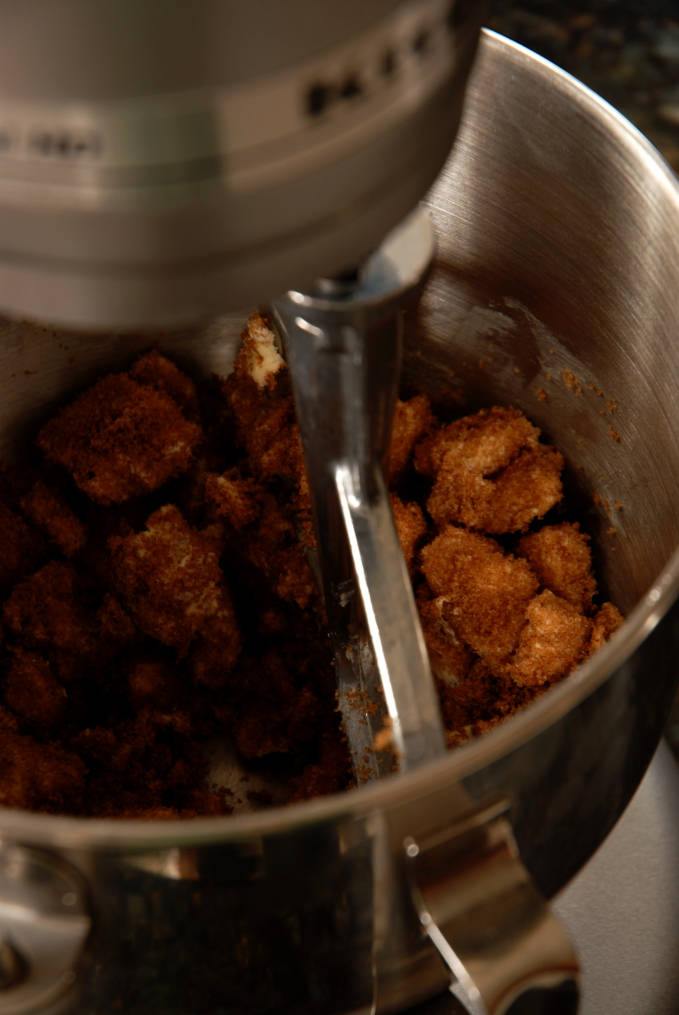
[{"x": 625, "y": 50}]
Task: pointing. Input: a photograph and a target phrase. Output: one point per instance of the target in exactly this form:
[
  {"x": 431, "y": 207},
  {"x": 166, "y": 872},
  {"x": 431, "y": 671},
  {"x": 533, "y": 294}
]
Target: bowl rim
[{"x": 145, "y": 834}]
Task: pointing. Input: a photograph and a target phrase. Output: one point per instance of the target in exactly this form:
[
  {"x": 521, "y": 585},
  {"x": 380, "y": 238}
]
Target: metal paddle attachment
[{"x": 343, "y": 344}]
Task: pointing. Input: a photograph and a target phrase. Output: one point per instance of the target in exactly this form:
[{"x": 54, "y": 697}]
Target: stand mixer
[
  {"x": 159, "y": 165},
  {"x": 162, "y": 163}
]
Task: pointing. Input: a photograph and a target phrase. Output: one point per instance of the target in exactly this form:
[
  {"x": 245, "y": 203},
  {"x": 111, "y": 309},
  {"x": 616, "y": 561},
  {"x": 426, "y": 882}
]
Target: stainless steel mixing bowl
[{"x": 556, "y": 289}]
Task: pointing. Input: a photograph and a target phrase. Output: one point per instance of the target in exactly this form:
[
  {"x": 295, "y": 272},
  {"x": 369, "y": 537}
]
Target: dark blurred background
[{"x": 625, "y": 50}]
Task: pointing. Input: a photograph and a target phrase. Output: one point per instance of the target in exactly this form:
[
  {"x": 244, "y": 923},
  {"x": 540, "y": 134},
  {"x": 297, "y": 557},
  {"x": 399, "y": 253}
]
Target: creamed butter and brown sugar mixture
[{"x": 157, "y": 594}]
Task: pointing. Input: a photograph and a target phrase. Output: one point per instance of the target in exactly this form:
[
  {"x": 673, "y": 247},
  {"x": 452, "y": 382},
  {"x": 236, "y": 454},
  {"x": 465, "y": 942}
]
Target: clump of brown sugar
[
  {"x": 158, "y": 591},
  {"x": 508, "y": 601},
  {"x": 120, "y": 439},
  {"x": 48, "y": 511},
  {"x": 169, "y": 580},
  {"x": 490, "y": 472},
  {"x": 158, "y": 598}
]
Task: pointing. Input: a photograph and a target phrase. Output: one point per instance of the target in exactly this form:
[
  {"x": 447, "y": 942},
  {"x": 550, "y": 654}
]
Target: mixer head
[{"x": 163, "y": 162}]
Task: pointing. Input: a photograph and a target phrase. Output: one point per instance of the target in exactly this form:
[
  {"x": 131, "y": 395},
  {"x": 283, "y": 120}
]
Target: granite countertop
[{"x": 625, "y": 50}]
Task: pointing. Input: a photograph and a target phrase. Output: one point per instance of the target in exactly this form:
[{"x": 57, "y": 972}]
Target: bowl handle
[{"x": 477, "y": 903}]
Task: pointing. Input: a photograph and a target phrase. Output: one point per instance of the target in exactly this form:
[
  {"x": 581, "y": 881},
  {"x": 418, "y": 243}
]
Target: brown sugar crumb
[
  {"x": 384, "y": 738},
  {"x": 259, "y": 394},
  {"x": 615, "y": 436},
  {"x": 50, "y": 513},
  {"x": 7, "y": 720},
  {"x": 217, "y": 646},
  {"x": 151, "y": 680},
  {"x": 410, "y": 526},
  {"x": 57, "y": 613},
  {"x": 541, "y": 394},
  {"x": 14, "y": 483},
  {"x": 561, "y": 558},
  {"x": 329, "y": 775},
  {"x": 120, "y": 439},
  {"x": 141, "y": 763},
  {"x": 22, "y": 547},
  {"x": 234, "y": 497},
  {"x": 449, "y": 657},
  {"x": 412, "y": 419},
  {"x": 39, "y": 776},
  {"x": 276, "y": 714},
  {"x": 259, "y": 357},
  {"x": 489, "y": 438},
  {"x": 477, "y": 701},
  {"x": 273, "y": 548},
  {"x": 155, "y": 371},
  {"x": 113, "y": 625},
  {"x": 168, "y": 578},
  {"x": 31, "y": 690},
  {"x": 606, "y": 622},
  {"x": 571, "y": 382},
  {"x": 487, "y": 591},
  {"x": 48, "y": 611},
  {"x": 490, "y": 473},
  {"x": 552, "y": 642}
]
